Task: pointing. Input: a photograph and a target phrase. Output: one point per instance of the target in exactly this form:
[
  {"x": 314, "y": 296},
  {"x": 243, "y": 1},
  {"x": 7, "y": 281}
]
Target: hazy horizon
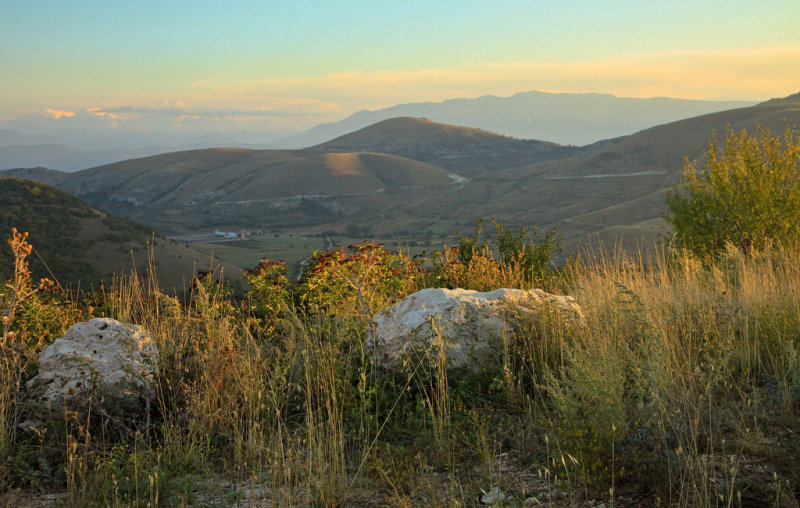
[
  {"x": 281, "y": 68},
  {"x": 84, "y": 129}
]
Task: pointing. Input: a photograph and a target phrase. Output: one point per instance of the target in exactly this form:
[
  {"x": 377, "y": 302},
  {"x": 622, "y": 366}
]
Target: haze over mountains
[
  {"x": 566, "y": 119},
  {"x": 563, "y": 118},
  {"x": 73, "y": 151}
]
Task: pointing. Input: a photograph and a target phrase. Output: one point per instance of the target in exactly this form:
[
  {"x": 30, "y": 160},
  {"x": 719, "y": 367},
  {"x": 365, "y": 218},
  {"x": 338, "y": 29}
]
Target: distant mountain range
[
  {"x": 563, "y": 118},
  {"x": 566, "y": 119},
  {"x": 418, "y": 177},
  {"x": 75, "y": 151}
]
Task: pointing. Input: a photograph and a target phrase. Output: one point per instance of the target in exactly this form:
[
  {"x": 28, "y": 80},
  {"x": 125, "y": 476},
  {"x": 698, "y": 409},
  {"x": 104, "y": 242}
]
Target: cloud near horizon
[
  {"x": 159, "y": 118},
  {"x": 58, "y": 114},
  {"x": 206, "y": 112},
  {"x": 297, "y": 103}
]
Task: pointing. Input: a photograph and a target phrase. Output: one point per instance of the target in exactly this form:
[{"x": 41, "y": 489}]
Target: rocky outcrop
[
  {"x": 113, "y": 362},
  {"x": 470, "y": 324}
]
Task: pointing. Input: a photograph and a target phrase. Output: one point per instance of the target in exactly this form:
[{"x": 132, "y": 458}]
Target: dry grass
[{"x": 682, "y": 389}]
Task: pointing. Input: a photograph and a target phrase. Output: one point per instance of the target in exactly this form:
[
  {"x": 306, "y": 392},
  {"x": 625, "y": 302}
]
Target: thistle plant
[{"x": 19, "y": 288}]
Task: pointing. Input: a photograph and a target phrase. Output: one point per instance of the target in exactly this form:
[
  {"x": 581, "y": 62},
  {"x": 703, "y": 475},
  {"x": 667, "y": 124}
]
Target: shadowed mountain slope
[{"x": 80, "y": 245}]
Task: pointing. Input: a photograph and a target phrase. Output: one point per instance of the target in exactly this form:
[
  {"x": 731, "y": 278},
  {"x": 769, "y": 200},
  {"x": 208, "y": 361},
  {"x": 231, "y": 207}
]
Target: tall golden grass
[{"x": 682, "y": 388}]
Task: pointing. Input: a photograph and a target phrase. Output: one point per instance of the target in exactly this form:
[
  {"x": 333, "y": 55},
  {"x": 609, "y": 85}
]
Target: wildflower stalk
[
  {"x": 12, "y": 364},
  {"x": 19, "y": 288}
]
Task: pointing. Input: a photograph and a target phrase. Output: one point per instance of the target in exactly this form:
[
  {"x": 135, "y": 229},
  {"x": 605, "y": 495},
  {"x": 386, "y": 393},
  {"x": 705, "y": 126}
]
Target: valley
[
  {"x": 423, "y": 253},
  {"x": 408, "y": 180}
]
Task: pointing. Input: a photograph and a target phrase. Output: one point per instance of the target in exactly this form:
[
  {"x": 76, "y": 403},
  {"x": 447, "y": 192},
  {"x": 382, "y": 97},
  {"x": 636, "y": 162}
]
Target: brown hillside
[
  {"x": 621, "y": 184},
  {"x": 616, "y": 187},
  {"x": 462, "y": 149},
  {"x": 80, "y": 246},
  {"x": 254, "y": 188}
]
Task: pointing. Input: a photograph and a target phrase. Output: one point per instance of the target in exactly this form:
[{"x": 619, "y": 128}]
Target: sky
[{"x": 284, "y": 66}]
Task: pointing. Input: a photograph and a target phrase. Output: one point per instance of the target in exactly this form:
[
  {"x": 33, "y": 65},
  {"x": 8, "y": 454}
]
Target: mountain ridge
[
  {"x": 245, "y": 186},
  {"x": 563, "y": 118}
]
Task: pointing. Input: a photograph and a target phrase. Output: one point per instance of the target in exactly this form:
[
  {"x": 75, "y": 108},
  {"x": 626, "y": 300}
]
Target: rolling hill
[
  {"x": 78, "y": 245},
  {"x": 411, "y": 176},
  {"x": 619, "y": 188},
  {"x": 464, "y": 150},
  {"x": 565, "y": 118},
  {"x": 254, "y": 188}
]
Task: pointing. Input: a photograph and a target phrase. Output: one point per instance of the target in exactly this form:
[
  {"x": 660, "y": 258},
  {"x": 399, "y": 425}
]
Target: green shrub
[
  {"x": 270, "y": 294},
  {"x": 524, "y": 260},
  {"x": 532, "y": 255},
  {"x": 747, "y": 194},
  {"x": 359, "y": 280}
]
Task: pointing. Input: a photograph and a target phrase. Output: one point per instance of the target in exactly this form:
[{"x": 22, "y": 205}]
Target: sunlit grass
[{"x": 681, "y": 388}]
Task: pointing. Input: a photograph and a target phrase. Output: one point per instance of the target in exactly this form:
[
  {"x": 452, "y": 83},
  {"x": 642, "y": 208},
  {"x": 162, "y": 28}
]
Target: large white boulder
[
  {"x": 103, "y": 357},
  {"x": 470, "y": 324}
]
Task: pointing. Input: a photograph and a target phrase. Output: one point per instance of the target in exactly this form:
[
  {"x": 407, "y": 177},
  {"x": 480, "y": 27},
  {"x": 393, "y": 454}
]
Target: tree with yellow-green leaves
[{"x": 747, "y": 194}]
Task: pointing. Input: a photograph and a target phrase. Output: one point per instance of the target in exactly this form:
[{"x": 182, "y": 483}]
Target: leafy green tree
[{"x": 747, "y": 194}]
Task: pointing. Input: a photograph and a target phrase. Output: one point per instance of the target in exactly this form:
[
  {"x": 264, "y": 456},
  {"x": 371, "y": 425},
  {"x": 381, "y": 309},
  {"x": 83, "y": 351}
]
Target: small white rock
[{"x": 493, "y": 496}]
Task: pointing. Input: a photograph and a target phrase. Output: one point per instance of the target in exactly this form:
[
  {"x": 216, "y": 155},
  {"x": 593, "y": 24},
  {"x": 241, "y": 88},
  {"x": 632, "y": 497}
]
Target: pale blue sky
[{"x": 311, "y": 61}]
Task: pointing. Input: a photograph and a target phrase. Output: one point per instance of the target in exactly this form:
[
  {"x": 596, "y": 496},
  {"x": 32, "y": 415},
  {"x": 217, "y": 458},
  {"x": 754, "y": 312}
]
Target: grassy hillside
[
  {"x": 464, "y": 150},
  {"x": 255, "y": 189},
  {"x": 411, "y": 189},
  {"x": 77, "y": 244},
  {"x": 53, "y": 220},
  {"x": 619, "y": 185}
]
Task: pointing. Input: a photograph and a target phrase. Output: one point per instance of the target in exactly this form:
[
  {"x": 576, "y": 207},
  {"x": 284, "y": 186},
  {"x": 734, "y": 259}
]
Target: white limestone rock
[
  {"x": 471, "y": 324},
  {"x": 493, "y": 496},
  {"x": 121, "y": 358}
]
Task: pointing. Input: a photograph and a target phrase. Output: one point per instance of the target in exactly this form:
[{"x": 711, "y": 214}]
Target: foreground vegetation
[
  {"x": 682, "y": 389},
  {"x": 747, "y": 193}
]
